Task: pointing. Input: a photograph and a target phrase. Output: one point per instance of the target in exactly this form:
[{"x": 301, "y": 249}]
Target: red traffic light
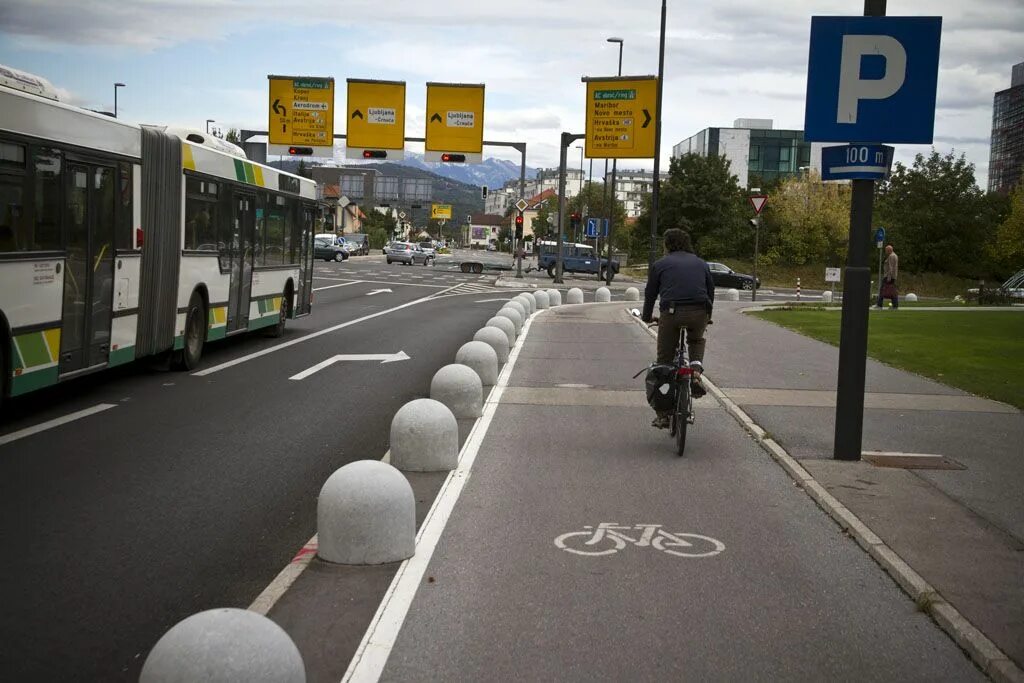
[
  {"x": 300, "y": 151},
  {"x": 519, "y": 220},
  {"x": 374, "y": 154},
  {"x": 453, "y": 158}
]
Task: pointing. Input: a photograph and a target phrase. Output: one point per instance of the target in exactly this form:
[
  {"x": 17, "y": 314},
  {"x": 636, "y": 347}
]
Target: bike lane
[{"x": 569, "y": 446}]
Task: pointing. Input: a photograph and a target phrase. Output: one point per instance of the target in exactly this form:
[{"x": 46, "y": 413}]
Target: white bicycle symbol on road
[{"x": 608, "y": 538}]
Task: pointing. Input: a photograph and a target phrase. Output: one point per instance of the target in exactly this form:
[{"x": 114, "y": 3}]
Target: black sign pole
[{"x": 853, "y": 334}]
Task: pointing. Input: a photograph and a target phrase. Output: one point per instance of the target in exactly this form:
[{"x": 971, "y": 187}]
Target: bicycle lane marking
[
  {"x": 311, "y": 335},
  {"x": 651, "y": 535},
  {"x": 372, "y": 655}
]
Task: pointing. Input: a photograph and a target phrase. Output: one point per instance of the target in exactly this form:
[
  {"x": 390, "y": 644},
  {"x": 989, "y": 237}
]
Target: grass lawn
[{"x": 980, "y": 352}]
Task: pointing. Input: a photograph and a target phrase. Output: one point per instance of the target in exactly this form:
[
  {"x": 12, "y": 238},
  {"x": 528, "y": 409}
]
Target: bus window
[
  {"x": 123, "y": 234},
  {"x": 274, "y": 232},
  {"x": 13, "y": 221},
  {"x": 48, "y": 198},
  {"x": 200, "y": 214}
]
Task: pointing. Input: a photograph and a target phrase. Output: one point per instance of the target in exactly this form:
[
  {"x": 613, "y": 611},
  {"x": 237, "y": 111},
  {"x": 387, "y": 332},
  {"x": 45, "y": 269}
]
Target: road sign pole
[
  {"x": 655, "y": 191},
  {"x": 608, "y": 237},
  {"x": 853, "y": 334},
  {"x": 757, "y": 246},
  {"x": 567, "y": 139},
  {"x": 522, "y": 190}
]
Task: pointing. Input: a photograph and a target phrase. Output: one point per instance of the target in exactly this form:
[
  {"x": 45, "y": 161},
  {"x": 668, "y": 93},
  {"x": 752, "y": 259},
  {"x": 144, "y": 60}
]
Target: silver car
[
  {"x": 407, "y": 253},
  {"x": 428, "y": 249}
]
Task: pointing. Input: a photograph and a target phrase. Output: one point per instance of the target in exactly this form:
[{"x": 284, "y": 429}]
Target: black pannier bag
[{"x": 661, "y": 389}]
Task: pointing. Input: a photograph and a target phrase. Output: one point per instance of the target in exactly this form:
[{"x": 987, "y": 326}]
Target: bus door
[
  {"x": 89, "y": 270},
  {"x": 303, "y": 301},
  {"x": 243, "y": 236}
]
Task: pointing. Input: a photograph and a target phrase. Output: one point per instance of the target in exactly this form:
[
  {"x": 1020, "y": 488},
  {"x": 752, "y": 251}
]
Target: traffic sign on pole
[
  {"x": 300, "y": 116},
  {"x": 758, "y": 201},
  {"x": 455, "y": 122},
  {"x": 375, "y": 120},
  {"x": 879, "y": 237},
  {"x": 851, "y": 162},
  {"x": 621, "y": 117},
  {"x": 441, "y": 211},
  {"x": 522, "y": 204},
  {"x": 872, "y": 79}
]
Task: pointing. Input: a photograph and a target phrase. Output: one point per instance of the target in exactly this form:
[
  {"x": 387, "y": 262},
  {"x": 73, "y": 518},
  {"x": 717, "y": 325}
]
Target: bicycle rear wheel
[{"x": 680, "y": 417}]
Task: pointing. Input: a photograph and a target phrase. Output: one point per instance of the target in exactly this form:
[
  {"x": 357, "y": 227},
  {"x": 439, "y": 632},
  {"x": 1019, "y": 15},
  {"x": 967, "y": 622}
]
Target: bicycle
[{"x": 682, "y": 414}]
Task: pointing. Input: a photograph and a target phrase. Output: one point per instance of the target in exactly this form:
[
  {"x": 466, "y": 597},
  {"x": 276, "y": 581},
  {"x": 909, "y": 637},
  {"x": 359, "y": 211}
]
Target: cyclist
[{"x": 683, "y": 282}]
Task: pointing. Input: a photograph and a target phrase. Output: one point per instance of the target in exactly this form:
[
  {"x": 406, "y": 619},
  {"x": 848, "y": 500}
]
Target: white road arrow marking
[
  {"x": 378, "y": 291},
  {"x": 382, "y": 357}
]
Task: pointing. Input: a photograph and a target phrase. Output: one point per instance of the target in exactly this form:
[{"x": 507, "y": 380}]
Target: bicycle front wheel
[{"x": 680, "y": 417}]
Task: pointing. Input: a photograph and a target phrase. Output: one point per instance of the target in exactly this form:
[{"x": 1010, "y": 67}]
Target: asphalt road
[{"x": 194, "y": 490}]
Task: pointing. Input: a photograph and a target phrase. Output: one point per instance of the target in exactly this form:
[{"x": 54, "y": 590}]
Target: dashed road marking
[{"x": 56, "y": 422}]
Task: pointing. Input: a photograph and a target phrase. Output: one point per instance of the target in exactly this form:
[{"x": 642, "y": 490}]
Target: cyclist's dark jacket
[{"x": 680, "y": 278}]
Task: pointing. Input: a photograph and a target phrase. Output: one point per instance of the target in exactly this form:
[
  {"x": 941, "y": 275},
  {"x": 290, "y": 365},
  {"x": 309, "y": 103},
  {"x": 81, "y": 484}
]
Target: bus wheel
[
  {"x": 195, "y": 335},
  {"x": 286, "y": 305}
]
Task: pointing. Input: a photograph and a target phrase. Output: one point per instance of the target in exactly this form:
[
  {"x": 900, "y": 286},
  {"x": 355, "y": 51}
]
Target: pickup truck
[{"x": 576, "y": 258}]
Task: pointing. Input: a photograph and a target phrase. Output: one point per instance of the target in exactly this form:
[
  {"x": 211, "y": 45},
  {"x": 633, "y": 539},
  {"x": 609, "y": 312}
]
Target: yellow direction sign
[
  {"x": 455, "y": 122},
  {"x": 621, "y": 116},
  {"x": 301, "y": 115},
  {"x": 375, "y": 118},
  {"x": 441, "y": 211}
]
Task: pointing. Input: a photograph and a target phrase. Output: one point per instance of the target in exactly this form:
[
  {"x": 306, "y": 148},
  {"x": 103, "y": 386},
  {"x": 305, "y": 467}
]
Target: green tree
[
  {"x": 937, "y": 217},
  {"x": 594, "y": 202},
  {"x": 700, "y": 196},
  {"x": 233, "y": 136},
  {"x": 1007, "y": 249},
  {"x": 807, "y": 221}
]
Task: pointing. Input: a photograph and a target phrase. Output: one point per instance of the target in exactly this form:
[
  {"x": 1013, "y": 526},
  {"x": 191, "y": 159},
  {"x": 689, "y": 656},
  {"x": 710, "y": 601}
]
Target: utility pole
[
  {"x": 116, "y": 86},
  {"x": 611, "y": 211},
  {"x": 655, "y": 189},
  {"x": 567, "y": 139}
]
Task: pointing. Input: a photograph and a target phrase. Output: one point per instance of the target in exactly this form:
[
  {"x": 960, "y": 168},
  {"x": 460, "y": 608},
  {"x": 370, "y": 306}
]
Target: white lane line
[
  {"x": 343, "y": 284},
  {"x": 56, "y": 422},
  {"x": 311, "y": 335},
  {"x": 375, "y": 648},
  {"x": 400, "y": 283}
]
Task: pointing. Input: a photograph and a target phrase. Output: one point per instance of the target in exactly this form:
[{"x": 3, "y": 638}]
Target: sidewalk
[{"x": 781, "y": 593}]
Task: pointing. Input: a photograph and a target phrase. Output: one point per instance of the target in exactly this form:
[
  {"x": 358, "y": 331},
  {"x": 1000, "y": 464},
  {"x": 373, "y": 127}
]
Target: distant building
[
  {"x": 499, "y": 199},
  {"x": 484, "y": 228},
  {"x": 757, "y": 153},
  {"x": 1006, "y": 158},
  {"x": 630, "y": 188}
]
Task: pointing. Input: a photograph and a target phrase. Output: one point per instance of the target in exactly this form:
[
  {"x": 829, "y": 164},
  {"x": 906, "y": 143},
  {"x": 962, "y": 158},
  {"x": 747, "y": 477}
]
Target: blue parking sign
[{"x": 872, "y": 79}]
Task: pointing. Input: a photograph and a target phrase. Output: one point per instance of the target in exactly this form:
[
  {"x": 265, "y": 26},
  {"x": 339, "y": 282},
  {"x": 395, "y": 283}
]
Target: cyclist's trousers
[{"x": 693, "y": 321}]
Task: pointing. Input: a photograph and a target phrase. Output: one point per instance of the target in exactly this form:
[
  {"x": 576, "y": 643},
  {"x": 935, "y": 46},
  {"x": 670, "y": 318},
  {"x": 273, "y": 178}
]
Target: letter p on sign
[{"x": 872, "y": 79}]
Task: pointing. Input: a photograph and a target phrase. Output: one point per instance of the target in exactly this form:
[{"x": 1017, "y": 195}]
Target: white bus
[{"x": 120, "y": 241}]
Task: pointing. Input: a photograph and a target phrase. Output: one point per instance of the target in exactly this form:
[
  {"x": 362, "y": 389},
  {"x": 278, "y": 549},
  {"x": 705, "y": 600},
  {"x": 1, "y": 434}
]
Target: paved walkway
[{"x": 751, "y": 581}]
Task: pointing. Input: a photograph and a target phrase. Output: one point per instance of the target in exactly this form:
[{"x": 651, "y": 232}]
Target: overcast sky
[{"x": 185, "y": 62}]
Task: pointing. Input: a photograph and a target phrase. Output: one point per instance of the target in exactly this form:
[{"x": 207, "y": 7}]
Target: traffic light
[
  {"x": 575, "y": 220},
  {"x": 300, "y": 151},
  {"x": 483, "y": 192},
  {"x": 453, "y": 158},
  {"x": 519, "y": 226},
  {"x": 374, "y": 154}
]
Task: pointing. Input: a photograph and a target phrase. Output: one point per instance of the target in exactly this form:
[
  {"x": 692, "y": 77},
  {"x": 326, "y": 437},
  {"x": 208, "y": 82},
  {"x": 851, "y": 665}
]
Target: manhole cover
[{"x": 911, "y": 461}]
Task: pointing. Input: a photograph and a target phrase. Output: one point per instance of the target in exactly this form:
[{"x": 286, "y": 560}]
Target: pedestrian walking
[{"x": 890, "y": 271}]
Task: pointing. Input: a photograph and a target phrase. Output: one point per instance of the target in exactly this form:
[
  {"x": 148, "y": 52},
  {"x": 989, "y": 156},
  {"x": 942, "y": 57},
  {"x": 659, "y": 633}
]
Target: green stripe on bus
[
  {"x": 15, "y": 358},
  {"x": 33, "y": 349},
  {"x": 262, "y": 322},
  {"x": 121, "y": 356},
  {"x": 30, "y": 381},
  {"x": 250, "y": 177},
  {"x": 216, "y": 333},
  {"x": 239, "y": 170},
  {"x": 179, "y": 343}
]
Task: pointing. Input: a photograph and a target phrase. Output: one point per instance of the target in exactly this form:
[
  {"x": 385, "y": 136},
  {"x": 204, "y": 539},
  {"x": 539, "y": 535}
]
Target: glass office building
[
  {"x": 758, "y": 154},
  {"x": 1006, "y": 157}
]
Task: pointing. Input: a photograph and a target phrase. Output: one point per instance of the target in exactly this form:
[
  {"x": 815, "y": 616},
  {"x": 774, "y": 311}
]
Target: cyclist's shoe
[
  {"x": 697, "y": 388},
  {"x": 661, "y": 422}
]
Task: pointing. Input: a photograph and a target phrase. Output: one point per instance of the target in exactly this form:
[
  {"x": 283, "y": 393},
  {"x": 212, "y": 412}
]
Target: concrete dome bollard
[
  {"x": 524, "y": 310},
  {"x": 425, "y": 435},
  {"x": 554, "y": 298},
  {"x": 482, "y": 359},
  {"x": 366, "y": 514},
  {"x": 910, "y": 297},
  {"x": 505, "y": 325},
  {"x": 826, "y": 296},
  {"x": 529, "y": 302},
  {"x": 459, "y": 387},
  {"x": 732, "y": 295},
  {"x": 513, "y": 315},
  {"x": 574, "y": 296},
  {"x": 632, "y": 294},
  {"x": 542, "y": 299},
  {"x": 603, "y": 295},
  {"x": 226, "y": 644},
  {"x": 495, "y": 336}
]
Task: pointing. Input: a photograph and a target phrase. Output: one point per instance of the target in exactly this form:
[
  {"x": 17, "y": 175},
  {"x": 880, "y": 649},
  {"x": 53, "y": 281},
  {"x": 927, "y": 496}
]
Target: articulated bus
[{"x": 120, "y": 241}]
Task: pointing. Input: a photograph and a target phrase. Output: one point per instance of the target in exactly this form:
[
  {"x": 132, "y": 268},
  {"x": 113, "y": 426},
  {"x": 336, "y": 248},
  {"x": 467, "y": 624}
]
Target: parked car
[
  {"x": 576, "y": 258},
  {"x": 724, "y": 276},
  {"x": 428, "y": 249},
  {"x": 328, "y": 250},
  {"x": 359, "y": 244},
  {"x": 405, "y": 252}
]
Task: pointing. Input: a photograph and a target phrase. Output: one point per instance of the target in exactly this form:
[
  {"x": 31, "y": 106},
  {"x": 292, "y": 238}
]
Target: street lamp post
[
  {"x": 116, "y": 86},
  {"x": 611, "y": 211},
  {"x": 208, "y": 122},
  {"x": 580, "y": 148}
]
